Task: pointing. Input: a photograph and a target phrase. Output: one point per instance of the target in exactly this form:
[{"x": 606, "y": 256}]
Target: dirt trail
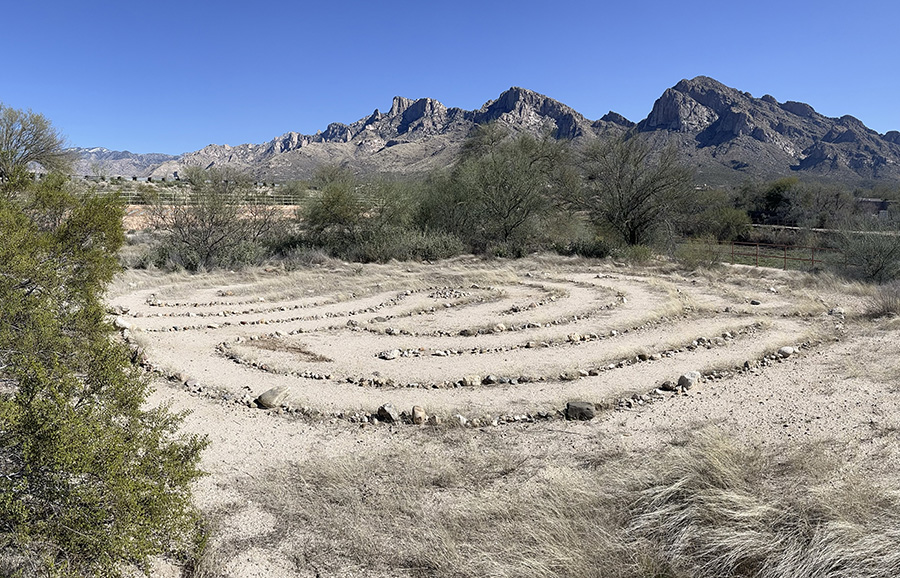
[{"x": 828, "y": 390}]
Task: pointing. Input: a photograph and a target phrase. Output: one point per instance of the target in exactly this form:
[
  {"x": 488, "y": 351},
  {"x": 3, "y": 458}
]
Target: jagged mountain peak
[
  {"x": 529, "y": 110},
  {"x": 726, "y": 134}
]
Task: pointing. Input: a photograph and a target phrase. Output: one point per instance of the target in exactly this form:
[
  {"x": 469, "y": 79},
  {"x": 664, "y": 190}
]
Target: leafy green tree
[
  {"x": 91, "y": 482},
  {"x": 27, "y": 137},
  {"x": 628, "y": 190},
  {"x": 501, "y": 188}
]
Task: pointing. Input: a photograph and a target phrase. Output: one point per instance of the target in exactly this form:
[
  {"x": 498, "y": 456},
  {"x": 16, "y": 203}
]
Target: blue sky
[{"x": 172, "y": 77}]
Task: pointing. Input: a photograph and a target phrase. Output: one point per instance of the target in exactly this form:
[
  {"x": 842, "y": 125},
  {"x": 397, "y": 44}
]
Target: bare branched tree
[
  {"x": 629, "y": 190},
  {"x": 220, "y": 221}
]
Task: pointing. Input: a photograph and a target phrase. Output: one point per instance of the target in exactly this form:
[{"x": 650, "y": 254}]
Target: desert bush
[
  {"x": 370, "y": 221},
  {"x": 634, "y": 254},
  {"x": 499, "y": 192},
  {"x": 871, "y": 249},
  {"x": 595, "y": 248},
  {"x": 885, "y": 302},
  {"x": 92, "y": 482},
  {"x": 219, "y": 221},
  {"x": 627, "y": 191}
]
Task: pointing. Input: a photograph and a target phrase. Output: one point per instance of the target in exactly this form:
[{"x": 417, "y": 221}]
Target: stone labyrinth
[{"x": 466, "y": 340}]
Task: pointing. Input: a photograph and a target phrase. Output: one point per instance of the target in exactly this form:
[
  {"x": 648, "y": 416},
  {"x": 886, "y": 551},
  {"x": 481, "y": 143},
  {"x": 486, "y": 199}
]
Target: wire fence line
[{"x": 170, "y": 190}]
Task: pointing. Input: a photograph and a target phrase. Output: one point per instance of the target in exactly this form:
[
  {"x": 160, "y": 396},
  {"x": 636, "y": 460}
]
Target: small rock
[
  {"x": 754, "y": 302},
  {"x": 668, "y": 386},
  {"x": 689, "y": 379},
  {"x": 418, "y": 415},
  {"x": 580, "y": 411},
  {"x": 389, "y": 355},
  {"x": 471, "y": 380},
  {"x": 786, "y": 351},
  {"x": 461, "y": 420},
  {"x": 433, "y": 420},
  {"x": 499, "y": 328},
  {"x": 272, "y": 398},
  {"x": 388, "y": 413}
]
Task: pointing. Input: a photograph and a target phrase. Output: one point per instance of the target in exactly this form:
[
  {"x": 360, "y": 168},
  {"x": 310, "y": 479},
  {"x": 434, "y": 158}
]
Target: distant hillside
[
  {"x": 104, "y": 162},
  {"x": 727, "y": 135}
]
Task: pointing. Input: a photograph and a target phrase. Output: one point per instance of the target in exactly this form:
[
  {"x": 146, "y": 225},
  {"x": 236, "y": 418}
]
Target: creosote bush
[{"x": 92, "y": 483}]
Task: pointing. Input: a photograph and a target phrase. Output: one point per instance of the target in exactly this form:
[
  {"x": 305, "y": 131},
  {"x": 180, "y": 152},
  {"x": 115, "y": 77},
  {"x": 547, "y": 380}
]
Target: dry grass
[
  {"x": 706, "y": 509},
  {"x": 884, "y": 301},
  {"x": 300, "y": 350}
]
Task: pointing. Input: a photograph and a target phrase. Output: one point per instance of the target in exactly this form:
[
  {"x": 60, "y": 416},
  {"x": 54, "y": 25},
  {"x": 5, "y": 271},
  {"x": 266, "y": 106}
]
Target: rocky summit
[{"x": 726, "y": 135}]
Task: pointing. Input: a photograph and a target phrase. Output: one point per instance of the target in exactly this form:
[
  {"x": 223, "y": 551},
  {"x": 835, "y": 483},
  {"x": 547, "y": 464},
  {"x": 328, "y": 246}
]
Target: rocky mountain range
[{"x": 728, "y": 136}]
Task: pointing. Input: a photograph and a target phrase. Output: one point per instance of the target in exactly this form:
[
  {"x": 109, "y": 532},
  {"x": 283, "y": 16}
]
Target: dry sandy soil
[{"x": 341, "y": 340}]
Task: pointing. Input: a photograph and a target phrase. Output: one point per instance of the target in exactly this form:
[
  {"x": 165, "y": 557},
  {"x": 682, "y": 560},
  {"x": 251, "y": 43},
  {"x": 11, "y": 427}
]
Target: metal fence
[{"x": 784, "y": 256}]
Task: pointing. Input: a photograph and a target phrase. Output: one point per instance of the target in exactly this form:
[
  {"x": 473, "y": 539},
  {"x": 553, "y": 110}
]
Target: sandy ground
[{"x": 571, "y": 330}]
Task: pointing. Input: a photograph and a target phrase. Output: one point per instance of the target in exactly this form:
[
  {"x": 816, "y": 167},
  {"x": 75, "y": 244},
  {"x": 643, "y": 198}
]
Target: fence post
[
  {"x": 732, "y": 252},
  {"x": 757, "y": 255},
  {"x": 785, "y": 257}
]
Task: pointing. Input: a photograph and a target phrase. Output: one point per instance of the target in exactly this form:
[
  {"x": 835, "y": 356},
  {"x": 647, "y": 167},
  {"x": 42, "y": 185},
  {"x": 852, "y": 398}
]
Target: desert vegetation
[{"x": 533, "y": 362}]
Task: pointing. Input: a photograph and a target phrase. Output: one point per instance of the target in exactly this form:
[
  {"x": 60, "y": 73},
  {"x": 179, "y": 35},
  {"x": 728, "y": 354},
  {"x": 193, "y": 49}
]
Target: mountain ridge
[{"x": 727, "y": 135}]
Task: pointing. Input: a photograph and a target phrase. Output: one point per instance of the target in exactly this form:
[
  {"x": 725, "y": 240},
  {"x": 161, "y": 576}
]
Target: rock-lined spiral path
[{"x": 458, "y": 337}]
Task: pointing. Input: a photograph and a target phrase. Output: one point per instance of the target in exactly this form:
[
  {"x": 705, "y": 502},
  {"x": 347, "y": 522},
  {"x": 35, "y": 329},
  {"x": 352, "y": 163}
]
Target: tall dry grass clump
[
  {"x": 716, "y": 510},
  {"x": 885, "y": 301},
  {"x": 710, "y": 509}
]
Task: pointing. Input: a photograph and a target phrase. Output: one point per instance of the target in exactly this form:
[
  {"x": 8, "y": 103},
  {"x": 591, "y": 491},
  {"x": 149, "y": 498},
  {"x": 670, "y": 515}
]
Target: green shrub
[
  {"x": 636, "y": 254},
  {"x": 871, "y": 249},
  {"x": 220, "y": 221},
  {"x": 91, "y": 481},
  {"x": 596, "y": 248}
]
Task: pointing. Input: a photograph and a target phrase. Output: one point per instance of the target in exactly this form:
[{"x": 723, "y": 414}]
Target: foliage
[
  {"x": 711, "y": 214},
  {"x": 369, "y": 221},
  {"x": 596, "y": 248},
  {"x": 90, "y": 480},
  {"x": 871, "y": 249},
  {"x": 27, "y": 137},
  {"x": 788, "y": 201},
  {"x": 220, "y": 221},
  {"x": 628, "y": 191},
  {"x": 499, "y": 190}
]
